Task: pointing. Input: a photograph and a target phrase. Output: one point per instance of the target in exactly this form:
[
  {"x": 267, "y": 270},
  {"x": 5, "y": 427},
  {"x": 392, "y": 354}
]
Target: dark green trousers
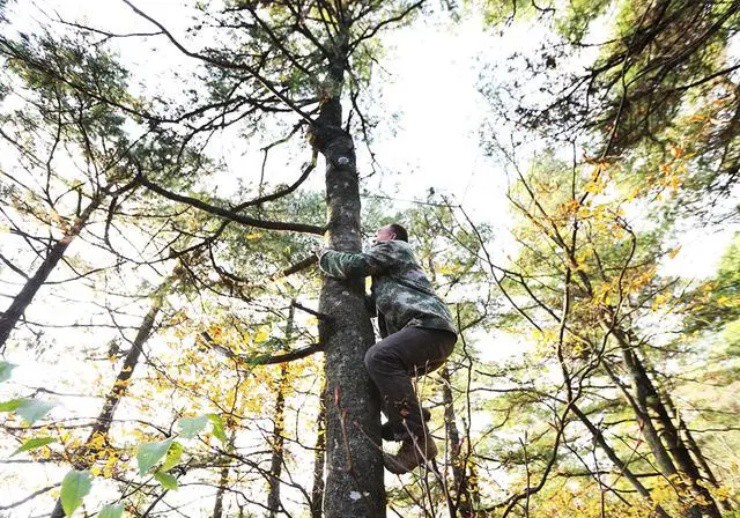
[{"x": 394, "y": 361}]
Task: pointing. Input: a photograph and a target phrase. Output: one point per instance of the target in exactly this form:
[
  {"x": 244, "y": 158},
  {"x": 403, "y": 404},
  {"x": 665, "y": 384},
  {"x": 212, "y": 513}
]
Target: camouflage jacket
[{"x": 402, "y": 292}]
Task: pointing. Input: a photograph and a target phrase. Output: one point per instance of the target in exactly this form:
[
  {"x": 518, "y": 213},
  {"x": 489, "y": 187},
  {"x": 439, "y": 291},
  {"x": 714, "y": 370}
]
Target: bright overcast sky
[{"x": 428, "y": 84}]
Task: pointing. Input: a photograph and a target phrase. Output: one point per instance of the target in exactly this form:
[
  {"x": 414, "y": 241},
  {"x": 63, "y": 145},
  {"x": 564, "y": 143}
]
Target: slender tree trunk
[
  {"x": 10, "y": 316},
  {"x": 462, "y": 490},
  {"x": 85, "y": 456},
  {"x": 223, "y": 480},
  {"x": 618, "y": 463},
  {"x": 218, "y": 506},
  {"x": 652, "y": 439},
  {"x": 694, "y": 446},
  {"x": 647, "y": 399},
  {"x": 354, "y": 481},
  {"x": 317, "y": 491},
  {"x": 276, "y": 463},
  {"x": 453, "y": 435}
]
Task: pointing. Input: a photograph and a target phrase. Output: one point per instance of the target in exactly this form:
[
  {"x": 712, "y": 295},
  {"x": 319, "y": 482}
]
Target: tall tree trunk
[
  {"x": 694, "y": 446},
  {"x": 276, "y": 463},
  {"x": 618, "y": 463},
  {"x": 319, "y": 458},
  {"x": 223, "y": 480},
  {"x": 648, "y": 399},
  {"x": 85, "y": 456},
  {"x": 10, "y": 316},
  {"x": 465, "y": 496},
  {"x": 218, "y": 506},
  {"x": 652, "y": 439},
  {"x": 462, "y": 490},
  {"x": 354, "y": 481}
]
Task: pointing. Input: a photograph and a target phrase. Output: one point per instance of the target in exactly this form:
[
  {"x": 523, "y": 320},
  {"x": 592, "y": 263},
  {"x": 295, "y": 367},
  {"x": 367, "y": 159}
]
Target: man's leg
[
  {"x": 392, "y": 363},
  {"x": 389, "y": 434}
]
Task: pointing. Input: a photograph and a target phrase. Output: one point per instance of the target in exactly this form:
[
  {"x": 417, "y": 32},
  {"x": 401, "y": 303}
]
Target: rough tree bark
[{"x": 354, "y": 480}]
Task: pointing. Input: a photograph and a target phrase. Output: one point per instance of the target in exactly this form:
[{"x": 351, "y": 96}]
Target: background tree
[{"x": 588, "y": 381}]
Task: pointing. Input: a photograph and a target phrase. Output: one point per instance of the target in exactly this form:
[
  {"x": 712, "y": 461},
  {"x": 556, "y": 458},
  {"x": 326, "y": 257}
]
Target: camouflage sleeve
[{"x": 343, "y": 265}]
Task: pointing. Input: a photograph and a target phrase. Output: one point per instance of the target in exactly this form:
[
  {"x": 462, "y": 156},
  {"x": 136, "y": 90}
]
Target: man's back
[{"x": 402, "y": 292}]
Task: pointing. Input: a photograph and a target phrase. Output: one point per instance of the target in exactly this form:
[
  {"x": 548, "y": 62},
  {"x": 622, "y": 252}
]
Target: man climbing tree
[{"x": 417, "y": 331}]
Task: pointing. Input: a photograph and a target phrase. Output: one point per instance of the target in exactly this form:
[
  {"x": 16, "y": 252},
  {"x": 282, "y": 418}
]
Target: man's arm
[{"x": 344, "y": 265}]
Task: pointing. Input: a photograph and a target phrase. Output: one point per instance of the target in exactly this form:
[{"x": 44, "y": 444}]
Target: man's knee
[
  {"x": 378, "y": 358},
  {"x": 371, "y": 359}
]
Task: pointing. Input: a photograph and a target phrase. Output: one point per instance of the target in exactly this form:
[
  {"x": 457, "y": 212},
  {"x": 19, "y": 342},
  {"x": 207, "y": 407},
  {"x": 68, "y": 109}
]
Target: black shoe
[{"x": 388, "y": 434}]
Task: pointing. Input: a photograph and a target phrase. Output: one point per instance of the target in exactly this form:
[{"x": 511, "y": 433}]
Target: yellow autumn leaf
[
  {"x": 262, "y": 335},
  {"x": 447, "y": 269},
  {"x": 659, "y": 300},
  {"x": 723, "y": 300}
]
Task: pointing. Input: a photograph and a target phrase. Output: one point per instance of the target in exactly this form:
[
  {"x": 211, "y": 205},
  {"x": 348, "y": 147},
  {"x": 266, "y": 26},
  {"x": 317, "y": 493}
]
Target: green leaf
[
  {"x": 218, "y": 427},
  {"x": 35, "y": 443},
  {"x": 150, "y": 453},
  {"x": 11, "y": 406},
  {"x": 257, "y": 360},
  {"x": 5, "y": 369},
  {"x": 75, "y": 486},
  {"x": 111, "y": 511},
  {"x": 33, "y": 409},
  {"x": 167, "y": 480},
  {"x": 192, "y": 426},
  {"x": 29, "y": 409},
  {"x": 173, "y": 457}
]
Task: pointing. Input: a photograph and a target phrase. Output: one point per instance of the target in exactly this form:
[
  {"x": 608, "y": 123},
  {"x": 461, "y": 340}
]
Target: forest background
[{"x": 568, "y": 173}]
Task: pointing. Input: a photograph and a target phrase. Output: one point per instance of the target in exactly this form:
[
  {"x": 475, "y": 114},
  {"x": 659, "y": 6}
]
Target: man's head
[{"x": 391, "y": 232}]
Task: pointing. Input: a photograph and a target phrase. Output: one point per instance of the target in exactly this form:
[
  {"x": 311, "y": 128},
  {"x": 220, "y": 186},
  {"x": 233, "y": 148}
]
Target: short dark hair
[{"x": 400, "y": 232}]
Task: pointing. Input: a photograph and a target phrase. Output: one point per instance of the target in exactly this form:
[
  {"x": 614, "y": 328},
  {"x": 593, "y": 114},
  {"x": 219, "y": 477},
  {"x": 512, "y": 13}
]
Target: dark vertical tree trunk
[
  {"x": 86, "y": 454},
  {"x": 652, "y": 438},
  {"x": 276, "y": 462},
  {"x": 354, "y": 480},
  {"x": 317, "y": 491},
  {"x": 223, "y": 481},
  {"x": 462, "y": 493},
  {"x": 453, "y": 435},
  {"x": 618, "y": 463},
  {"x": 694, "y": 446},
  {"x": 648, "y": 399},
  {"x": 465, "y": 496},
  {"x": 10, "y": 316},
  {"x": 218, "y": 506}
]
